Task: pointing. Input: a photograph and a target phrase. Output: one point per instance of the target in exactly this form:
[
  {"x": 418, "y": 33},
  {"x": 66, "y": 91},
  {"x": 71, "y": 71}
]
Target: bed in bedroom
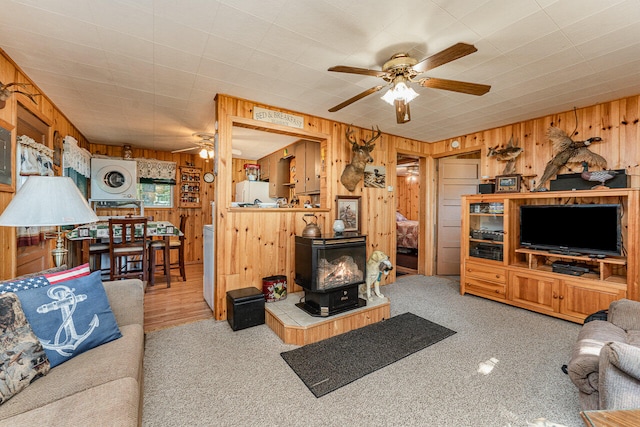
[{"x": 407, "y": 232}]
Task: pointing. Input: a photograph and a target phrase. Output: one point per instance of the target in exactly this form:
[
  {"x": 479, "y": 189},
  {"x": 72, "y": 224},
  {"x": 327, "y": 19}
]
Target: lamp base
[{"x": 60, "y": 252}]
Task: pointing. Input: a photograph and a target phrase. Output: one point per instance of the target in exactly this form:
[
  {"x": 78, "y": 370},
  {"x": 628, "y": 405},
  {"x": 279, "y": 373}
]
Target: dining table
[{"x": 100, "y": 231}]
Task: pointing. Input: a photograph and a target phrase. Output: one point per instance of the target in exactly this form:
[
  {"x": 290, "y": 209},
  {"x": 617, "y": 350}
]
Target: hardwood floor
[{"x": 180, "y": 304}]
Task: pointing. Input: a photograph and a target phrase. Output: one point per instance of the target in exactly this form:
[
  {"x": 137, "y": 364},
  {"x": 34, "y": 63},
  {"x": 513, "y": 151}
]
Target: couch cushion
[
  {"x": 114, "y": 403},
  {"x": 117, "y": 359},
  {"x": 22, "y": 358},
  {"x": 71, "y": 317}
]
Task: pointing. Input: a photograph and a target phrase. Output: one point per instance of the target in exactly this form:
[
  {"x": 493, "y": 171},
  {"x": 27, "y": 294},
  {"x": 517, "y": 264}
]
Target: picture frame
[
  {"x": 508, "y": 183},
  {"x": 6, "y": 158},
  {"x": 348, "y": 210},
  {"x": 57, "y": 149}
]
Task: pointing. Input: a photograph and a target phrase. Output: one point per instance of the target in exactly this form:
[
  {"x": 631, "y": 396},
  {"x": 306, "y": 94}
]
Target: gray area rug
[{"x": 327, "y": 365}]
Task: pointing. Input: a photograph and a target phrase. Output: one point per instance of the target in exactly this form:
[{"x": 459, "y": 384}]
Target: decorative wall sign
[
  {"x": 375, "y": 176},
  {"x": 348, "y": 210},
  {"x": 278, "y": 117}
]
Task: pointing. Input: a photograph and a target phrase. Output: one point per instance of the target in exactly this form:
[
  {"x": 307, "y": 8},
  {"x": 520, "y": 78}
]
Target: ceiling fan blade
[
  {"x": 452, "y": 53},
  {"x": 184, "y": 149},
  {"x": 455, "y": 86},
  {"x": 356, "y": 70},
  {"x": 403, "y": 114},
  {"x": 355, "y": 98}
]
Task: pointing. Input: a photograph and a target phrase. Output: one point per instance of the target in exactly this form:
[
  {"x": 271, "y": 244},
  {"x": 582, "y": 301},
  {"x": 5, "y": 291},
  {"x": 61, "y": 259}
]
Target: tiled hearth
[{"x": 295, "y": 326}]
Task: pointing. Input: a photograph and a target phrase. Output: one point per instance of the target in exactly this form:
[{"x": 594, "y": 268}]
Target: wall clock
[{"x": 208, "y": 177}]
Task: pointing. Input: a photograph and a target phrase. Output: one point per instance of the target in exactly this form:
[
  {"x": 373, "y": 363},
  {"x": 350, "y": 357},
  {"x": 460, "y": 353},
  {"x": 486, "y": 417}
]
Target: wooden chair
[
  {"x": 174, "y": 245},
  {"x": 127, "y": 250},
  {"x": 96, "y": 250}
]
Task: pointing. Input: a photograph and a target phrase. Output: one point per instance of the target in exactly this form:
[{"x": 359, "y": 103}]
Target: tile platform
[{"x": 295, "y": 326}]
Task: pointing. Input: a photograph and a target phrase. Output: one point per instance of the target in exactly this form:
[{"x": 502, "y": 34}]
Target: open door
[{"x": 456, "y": 177}]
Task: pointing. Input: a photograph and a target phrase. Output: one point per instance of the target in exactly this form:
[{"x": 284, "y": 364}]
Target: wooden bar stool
[{"x": 174, "y": 245}]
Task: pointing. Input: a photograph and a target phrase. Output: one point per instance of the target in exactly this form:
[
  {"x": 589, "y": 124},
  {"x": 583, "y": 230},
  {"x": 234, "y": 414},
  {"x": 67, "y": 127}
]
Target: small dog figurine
[{"x": 377, "y": 264}]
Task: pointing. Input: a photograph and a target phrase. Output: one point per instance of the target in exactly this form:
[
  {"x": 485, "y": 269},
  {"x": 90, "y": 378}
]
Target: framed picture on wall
[
  {"x": 508, "y": 183},
  {"x": 348, "y": 210},
  {"x": 6, "y": 158}
]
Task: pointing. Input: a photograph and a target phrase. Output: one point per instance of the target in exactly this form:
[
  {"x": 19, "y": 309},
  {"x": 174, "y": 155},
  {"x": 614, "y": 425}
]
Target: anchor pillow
[{"x": 70, "y": 318}]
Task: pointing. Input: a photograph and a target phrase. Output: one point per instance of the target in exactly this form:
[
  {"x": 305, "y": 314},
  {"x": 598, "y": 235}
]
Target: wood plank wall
[
  {"x": 408, "y": 196},
  {"x": 48, "y": 113},
  {"x": 257, "y": 243}
]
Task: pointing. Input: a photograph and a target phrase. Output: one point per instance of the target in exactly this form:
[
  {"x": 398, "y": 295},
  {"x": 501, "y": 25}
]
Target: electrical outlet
[{"x": 390, "y": 188}]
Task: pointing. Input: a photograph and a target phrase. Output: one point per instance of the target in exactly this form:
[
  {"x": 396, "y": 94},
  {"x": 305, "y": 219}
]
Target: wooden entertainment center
[{"x": 494, "y": 265}]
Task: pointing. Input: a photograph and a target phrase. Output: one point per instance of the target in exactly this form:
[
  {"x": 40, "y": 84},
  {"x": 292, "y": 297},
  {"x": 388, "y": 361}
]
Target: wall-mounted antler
[{"x": 6, "y": 92}]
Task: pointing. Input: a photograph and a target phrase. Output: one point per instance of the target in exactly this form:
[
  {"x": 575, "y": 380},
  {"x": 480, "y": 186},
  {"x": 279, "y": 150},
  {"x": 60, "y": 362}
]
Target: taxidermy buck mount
[
  {"x": 354, "y": 172},
  {"x": 6, "y": 92}
]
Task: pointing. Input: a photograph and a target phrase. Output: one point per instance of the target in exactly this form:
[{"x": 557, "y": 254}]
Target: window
[{"x": 156, "y": 195}]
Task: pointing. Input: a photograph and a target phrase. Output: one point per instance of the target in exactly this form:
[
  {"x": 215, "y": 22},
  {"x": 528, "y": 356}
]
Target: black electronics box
[
  {"x": 571, "y": 268},
  {"x": 573, "y": 181},
  {"x": 245, "y": 308},
  {"x": 486, "y": 188}
]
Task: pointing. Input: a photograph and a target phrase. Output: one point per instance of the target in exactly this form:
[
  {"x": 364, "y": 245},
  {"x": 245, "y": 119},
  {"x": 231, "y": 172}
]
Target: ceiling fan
[
  {"x": 402, "y": 68},
  {"x": 206, "y": 145}
]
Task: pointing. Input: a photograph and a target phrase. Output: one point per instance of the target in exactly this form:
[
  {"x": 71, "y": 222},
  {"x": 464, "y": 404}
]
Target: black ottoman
[{"x": 245, "y": 308}]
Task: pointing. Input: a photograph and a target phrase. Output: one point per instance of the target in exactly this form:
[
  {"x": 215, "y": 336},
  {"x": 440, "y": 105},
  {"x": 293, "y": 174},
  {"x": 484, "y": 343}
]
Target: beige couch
[{"x": 102, "y": 386}]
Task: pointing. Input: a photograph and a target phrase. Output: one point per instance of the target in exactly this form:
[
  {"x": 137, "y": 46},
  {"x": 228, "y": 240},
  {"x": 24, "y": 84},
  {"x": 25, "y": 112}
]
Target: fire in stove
[{"x": 339, "y": 272}]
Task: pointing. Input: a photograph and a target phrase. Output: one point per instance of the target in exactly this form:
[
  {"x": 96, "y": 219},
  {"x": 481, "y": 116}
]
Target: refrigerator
[
  {"x": 249, "y": 191},
  {"x": 208, "y": 266}
]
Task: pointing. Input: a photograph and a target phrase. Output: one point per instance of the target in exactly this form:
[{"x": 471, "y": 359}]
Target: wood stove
[{"x": 330, "y": 270}]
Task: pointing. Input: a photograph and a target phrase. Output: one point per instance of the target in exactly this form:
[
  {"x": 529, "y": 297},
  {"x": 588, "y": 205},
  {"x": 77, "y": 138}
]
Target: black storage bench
[{"x": 245, "y": 308}]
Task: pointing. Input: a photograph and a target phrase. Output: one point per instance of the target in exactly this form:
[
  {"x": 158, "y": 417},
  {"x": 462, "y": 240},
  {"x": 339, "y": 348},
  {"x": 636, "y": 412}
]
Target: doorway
[
  {"x": 408, "y": 214},
  {"x": 456, "y": 176}
]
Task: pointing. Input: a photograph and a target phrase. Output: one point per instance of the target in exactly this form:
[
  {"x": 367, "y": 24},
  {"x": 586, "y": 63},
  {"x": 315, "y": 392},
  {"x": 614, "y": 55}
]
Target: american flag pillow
[
  {"x": 72, "y": 273},
  {"x": 18, "y": 284}
]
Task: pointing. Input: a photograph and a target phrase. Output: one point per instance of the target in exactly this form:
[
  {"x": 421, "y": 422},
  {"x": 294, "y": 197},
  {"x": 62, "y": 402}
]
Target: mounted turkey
[{"x": 402, "y": 69}]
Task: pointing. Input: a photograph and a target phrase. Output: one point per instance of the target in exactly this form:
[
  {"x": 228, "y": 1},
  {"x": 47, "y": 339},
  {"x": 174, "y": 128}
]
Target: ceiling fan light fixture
[
  {"x": 400, "y": 92},
  {"x": 206, "y": 153}
]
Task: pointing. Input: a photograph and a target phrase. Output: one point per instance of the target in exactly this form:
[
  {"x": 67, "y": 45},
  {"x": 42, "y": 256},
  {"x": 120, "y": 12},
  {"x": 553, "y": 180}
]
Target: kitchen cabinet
[{"x": 307, "y": 155}]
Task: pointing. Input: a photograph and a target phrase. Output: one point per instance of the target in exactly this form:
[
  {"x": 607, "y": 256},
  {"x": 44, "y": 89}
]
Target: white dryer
[{"x": 113, "y": 179}]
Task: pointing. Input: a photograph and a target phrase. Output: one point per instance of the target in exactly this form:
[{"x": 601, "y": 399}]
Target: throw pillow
[
  {"x": 22, "y": 358},
  {"x": 400, "y": 217},
  {"x": 72, "y": 273},
  {"x": 70, "y": 318}
]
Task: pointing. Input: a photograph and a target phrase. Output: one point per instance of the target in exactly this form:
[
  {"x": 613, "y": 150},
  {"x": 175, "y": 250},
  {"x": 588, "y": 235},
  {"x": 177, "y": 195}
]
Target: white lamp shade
[{"x": 47, "y": 201}]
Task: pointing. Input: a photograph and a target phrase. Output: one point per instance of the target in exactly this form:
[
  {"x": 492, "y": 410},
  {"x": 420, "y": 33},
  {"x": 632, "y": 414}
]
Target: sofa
[
  {"x": 605, "y": 359},
  {"x": 102, "y": 386}
]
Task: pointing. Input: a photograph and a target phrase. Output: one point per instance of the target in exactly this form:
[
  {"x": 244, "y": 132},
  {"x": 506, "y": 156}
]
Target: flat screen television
[{"x": 580, "y": 229}]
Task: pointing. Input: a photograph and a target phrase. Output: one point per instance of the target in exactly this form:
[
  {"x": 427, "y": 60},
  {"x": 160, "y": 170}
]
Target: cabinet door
[
  {"x": 278, "y": 176},
  {"x": 537, "y": 293},
  {"x": 312, "y": 167},
  {"x": 265, "y": 168},
  {"x": 579, "y": 299}
]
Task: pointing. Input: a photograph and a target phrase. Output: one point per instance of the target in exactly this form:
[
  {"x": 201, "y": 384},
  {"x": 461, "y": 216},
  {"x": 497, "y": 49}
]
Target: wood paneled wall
[
  {"x": 408, "y": 196},
  {"x": 198, "y": 217},
  {"x": 48, "y": 113},
  {"x": 255, "y": 243},
  {"x": 616, "y": 122}
]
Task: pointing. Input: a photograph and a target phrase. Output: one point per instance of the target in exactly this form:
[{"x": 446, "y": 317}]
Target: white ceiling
[{"x": 145, "y": 72}]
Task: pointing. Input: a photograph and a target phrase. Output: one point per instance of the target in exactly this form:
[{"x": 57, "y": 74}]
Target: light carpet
[{"x": 204, "y": 374}]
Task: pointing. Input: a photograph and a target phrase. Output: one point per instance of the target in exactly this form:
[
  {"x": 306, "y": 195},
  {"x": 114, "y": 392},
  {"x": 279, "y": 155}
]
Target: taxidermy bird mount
[
  {"x": 507, "y": 154},
  {"x": 6, "y": 92},
  {"x": 596, "y": 176},
  {"x": 569, "y": 151}
]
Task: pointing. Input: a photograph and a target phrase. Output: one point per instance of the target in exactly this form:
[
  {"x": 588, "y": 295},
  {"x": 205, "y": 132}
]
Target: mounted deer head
[
  {"x": 5, "y": 92},
  {"x": 354, "y": 172}
]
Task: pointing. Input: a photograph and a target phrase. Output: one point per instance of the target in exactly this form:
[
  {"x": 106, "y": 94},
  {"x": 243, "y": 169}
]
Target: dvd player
[{"x": 572, "y": 268}]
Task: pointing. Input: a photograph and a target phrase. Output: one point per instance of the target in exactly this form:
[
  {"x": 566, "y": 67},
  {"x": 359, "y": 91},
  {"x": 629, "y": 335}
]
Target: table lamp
[{"x": 45, "y": 201}]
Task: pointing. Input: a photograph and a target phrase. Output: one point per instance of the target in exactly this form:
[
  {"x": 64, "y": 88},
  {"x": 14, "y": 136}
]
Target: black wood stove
[{"x": 330, "y": 269}]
